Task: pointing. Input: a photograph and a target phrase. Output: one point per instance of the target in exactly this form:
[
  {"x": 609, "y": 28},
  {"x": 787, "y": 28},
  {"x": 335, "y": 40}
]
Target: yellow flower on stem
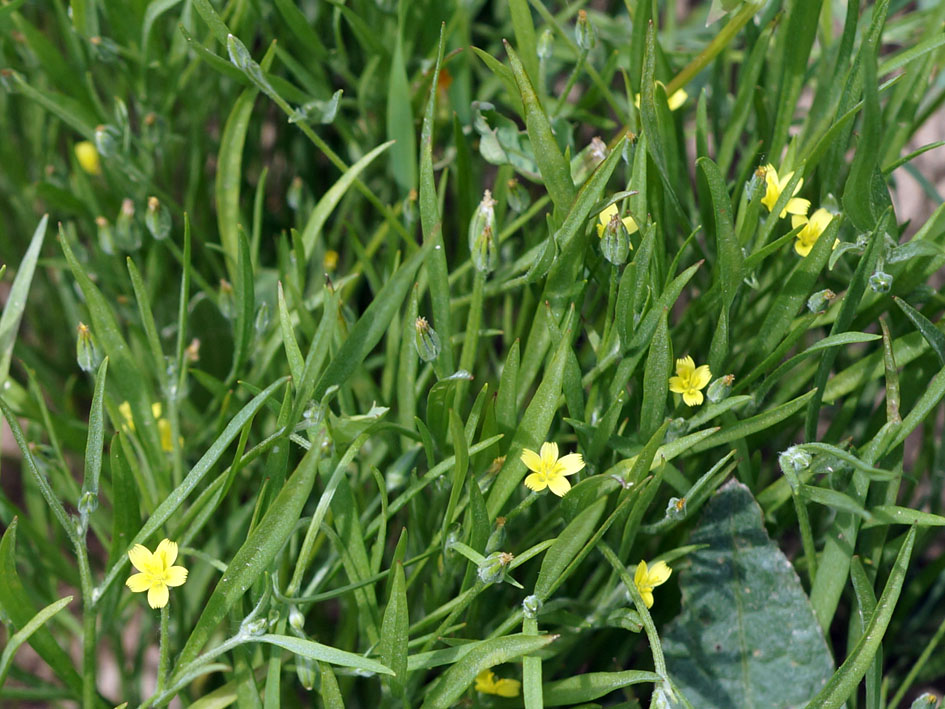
[
  {"x": 776, "y": 185},
  {"x": 646, "y": 579},
  {"x": 675, "y": 101},
  {"x": 88, "y": 158},
  {"x": 813, "y": 228},
  {"x": 164, "y": 426},
  {"x": 548, "y": 470},
  {"x": 689, "y": 380},
  {"x": 157, "y": 571},
  {"x": 487, "y": 683},
  {"x": 603, "y": 219}
]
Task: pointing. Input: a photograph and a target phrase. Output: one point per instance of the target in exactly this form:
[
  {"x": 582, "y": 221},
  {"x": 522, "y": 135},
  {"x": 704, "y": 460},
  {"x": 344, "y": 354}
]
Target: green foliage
[{"x": 276, "y": 329}]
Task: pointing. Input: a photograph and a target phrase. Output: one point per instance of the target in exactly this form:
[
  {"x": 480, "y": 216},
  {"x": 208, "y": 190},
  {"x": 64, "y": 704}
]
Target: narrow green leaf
[
  {"x": 229, "y": 176},
  {"x": 400, "y": 130},
  {"x": 16, "y": 299},
  {"x": 96, "y": 439},
  {"x": 393, "y": 646},
  {"x": 659, "y": 367},
  {"x": 26, "y": 632},
  {"x": 566, "y": 546},
  {"x": 932, "y": 334},
  {"x": 587, "y": 687},
  {"x": 323, "y": 653}
]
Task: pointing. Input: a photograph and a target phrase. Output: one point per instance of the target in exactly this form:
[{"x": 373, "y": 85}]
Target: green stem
[
  {"x": 572, "y": 80},
  {"x": 89, "y": 691},
  {"x": 468, "y": 357},
  {"x": 165, "y": 649}
]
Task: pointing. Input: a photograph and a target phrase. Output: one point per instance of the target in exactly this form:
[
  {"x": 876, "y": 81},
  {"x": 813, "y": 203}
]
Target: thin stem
[
  {"x": 89, "y": 691},
  {"x": 572, "y": 80},
  {"x": 165, "y": 649}
]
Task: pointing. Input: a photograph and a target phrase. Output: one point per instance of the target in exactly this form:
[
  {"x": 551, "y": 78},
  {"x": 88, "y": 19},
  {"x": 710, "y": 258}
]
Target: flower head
[
  {"x": 157, "y": 571},
  {"x": 548, "y": 470},
  {"x": 775, "y": 186},
  {"x": 646, "y": 579},
  {"x": 689, "y": 380},
  {"x": 487, "y": 683},
  {"x": 813, "y": 228},
  {"x": 603, "y": 219},
  {"x": 164, "y": 426},
  {"x": 87, "y": 156}
]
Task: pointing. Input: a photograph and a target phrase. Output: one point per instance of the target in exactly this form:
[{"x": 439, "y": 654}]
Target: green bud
[
  {"x": 492, "y": 569},
  {"x": 127, "y": 233},
  {"x": 676, "y": 508},
  {"x": 296, "y": 618},
  {"x": 255, "y": 627},
  {"x": 531, "y": 606},
  {"x": 87, "y": 504},
  {"x": 87, "y": 353},
  {"x": 925, "y": 701},
  {"x": 107, "y": 140},
  {"x": 262, "y": 319},
  {"x": 426, "y": 340},
  {"x": 157, "y": 219},
  {"x": 820, "y": 301},
  {"x": 484, "y": 217},
  {"x": 677, "y": 428},
  {"x": 227, "y": 299},
  {"x": 585, "y": 35},
  {"x": 545, "y": 46},
  {"x": 497, "y": 538},
  {"x": 294, "y": 195},
  {"x": 484, "y": 253},
  {"x": 519, "y": 199},
  {"x": 881, "y": 282},
  {"x": 305, "y": 671},
  {"x": 720, "y": 388},
  {"x": 794, "y": 460},
  {"x": 106, "y": 237},
  {"x": 411, "y": 213},
  {"x": 615, "y": 241}
]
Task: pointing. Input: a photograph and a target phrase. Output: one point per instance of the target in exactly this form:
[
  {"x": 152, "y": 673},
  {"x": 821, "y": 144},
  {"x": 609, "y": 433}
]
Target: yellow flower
[
  {"x": 548, "y": 470},
  {"x": 330, "y": 260},
  {"x": 164, "y": 426},
  {"x": 813, "y": 228},
  {"x": 157, "y": 571},
  {"x": 689, "y": 380},
  {"x": 87, "y": 156},
  {"x": 647, "y": 579},
  {"x": 775, "y": 187},
  {"x": 603, "y": 219},
  {"x": 675, "y": 101},
  {"x": 487, "y": 683}
]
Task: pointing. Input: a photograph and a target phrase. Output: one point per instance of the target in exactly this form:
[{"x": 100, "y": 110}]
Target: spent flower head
[
  {"x": 488, "y": 683},
  {"x": 548, "y": 470},
  {"x": 776, "y": 185},
  {"x": 156, "y": 571},
  {"x": 647, "y": 578},
  {"x": 689, "y": 380}
]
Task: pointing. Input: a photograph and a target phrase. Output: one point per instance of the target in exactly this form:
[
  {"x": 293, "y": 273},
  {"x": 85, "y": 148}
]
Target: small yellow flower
[
  {"x": 775, "y": 186},
  {"x": 87, "y": 156},
  {"x": 813, "y": 228},
  {"x": 330, "y": 261},
  {"x": 157, "y": 571},
  {"x": 675, "y": 101},
  {"x": 689, "y": 380},
  {"x": 487, "y": 683},
  {"x": 647, "y": 579},
  {"x": 603, "y": 219},
  {"x": 164, "y": 426},
  {"x": 548, "y": 470}
]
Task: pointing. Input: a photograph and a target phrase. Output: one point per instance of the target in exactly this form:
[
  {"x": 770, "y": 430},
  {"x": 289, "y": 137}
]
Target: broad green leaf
[{"x": 721, "y": 650}]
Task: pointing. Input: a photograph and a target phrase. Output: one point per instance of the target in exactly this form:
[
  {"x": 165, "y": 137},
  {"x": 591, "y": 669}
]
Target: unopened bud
[
  {"x": 615, "y": 241},
  {"x": 127, "y": 233},
  {"x": 676, "y": 508},
  {"x": 106, "y": 237},
  {"x": 305, "y": 671},
  {"x": 484, "y": 217},
  {"x": 295, "y": 194},
  {"x": 87, "y": 156},
  {"x": 598, "y": 150},
  {"x": 262, "y": 318},
  {"x": 531, "y": 606},
  {"x": 585, "y": 35},
  {"x": 296, "y": 618},
  {"x": 485, "y": 253},
  {"x": 545, "y": 44},
  {"x": 720, "y": 388},
  {"x": 426, "y": 340},
  {"x": 227, "y": 299},
  {"x": 794, "y": 459},
  {"x": 107, "y": 140},
  {"x": 497, "y": 538},
  {"x": 157, "y": 219},
  {"x": 87, "y": 353},
  {"x": 87, "y": 504},
  {"x": 519, "y": 199},
  {"x": 820, "y": 301},
  {"x": 881, "y": 282},
  {"x": 192, "y": 353},
  {"x": 410, "y": 209},
  {"x": 924, "y": 701},
  {"x": 492, "y": 569}
]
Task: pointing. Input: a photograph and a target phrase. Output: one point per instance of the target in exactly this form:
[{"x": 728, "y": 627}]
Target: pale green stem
[
  {"x": 471, "y": 342},
  {"x": 165, "y": 649},
  {"x": 89, "y": 691},
  {"x": 572, "y": 80}
]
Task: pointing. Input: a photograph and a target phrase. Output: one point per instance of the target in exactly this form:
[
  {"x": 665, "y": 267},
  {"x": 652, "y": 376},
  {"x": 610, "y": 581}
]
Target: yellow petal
[
  {"x": 559, "y": 485},
  {"x": 156, "y": 409},
  {"x": 507, "y": 687},
  {"x": 659, "y": 573},
  {"x": 630, "y": 225},
  {"x": 802, "y": 247},
  {"x": 820, "y": 220},
  {"x": 536, "y": 482},
  {"x": 549, "y": 454},
  {"x": 795, "y": 205},
  {"x": 167, "y": 551},
  {"x": 531, "y": 459},
  {"x": 571, "y": 463},
  {"x": 157, "y": 595},
  {"x": 647, "y": 598},
  {"x": 600, "y": 231},
  {"x": 138, "y": 583},
  {"x": 140, "y": 557},
  {"x": 124, "y": 408},
  {"x": 485, "y": 681},
  {"x": 685, "y": 366},
  {"x": 605, "y": 216},
  {"x": 88, "y": 157},
  {"x": 175, "y": 576},
  {"x": 677, "y": 385},
  {"x": 692, "y": 397},
  {"x": 702, "y": 376},
  {"x": 798, "y": 220},
  {"x": 677, "y": 99},
  {"x": 639, "y": 576},
  {"x": 164, "y": 432}
]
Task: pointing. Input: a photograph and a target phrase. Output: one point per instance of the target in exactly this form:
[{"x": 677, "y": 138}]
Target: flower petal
[
  {"x": 485, "y": 682},
  {"x": 531, "y": 459},
  {"x": 559, "y": 485},
  {"x": 140, "y": 557},
  {"x": 796, "y": 205},
  {"x": 138, "y": 583},
  {"x": 659, "y": 573},
  {"x": 798, "y": 220},
  {"x": 167, "y": 552},
  {"x": 677, "y": 99},
  {"x": 647, "y": 598},
  {"x": 802, "y": 247},
  {"x": 685, "y": 366},
  {"x": 175, "y": 576},
  {"x": 536, "y": 482},
  {"x": 692, "y": 397},
  {"x": 571, "y": 463},
  {"x": 157, "y": 595},
  {"x": 605, "y": 216},
  {"x": 677, "y": 385},
  {"x": 507, "y": 687},
  {"x": 630, "y": 225},
  {"x": 702, "y": 376},
  {"x": 156, "y": 409},
  {"x": 549, "y": 454},
  {"x": 639, "y": 576},
  {"x": 124, "y": 408}
]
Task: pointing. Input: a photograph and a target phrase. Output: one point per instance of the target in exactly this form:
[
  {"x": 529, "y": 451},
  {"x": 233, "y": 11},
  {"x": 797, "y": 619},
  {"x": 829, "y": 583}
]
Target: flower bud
[
  {"x": 227, "y": 299},
  {"x": 296, "y": 618},
  {"x": 497, "y": 538},
  {"x": 677, "y": 428},
  {"x": 794, "y": 459},
  {"x": 426, "y": 340},
  {"x": 107, "y": 140},
  {"x": 305, "y": 671},
  {"x": 410, "y": 209},
  {"x": 676, "y": 508},
  {"x": 127, "y": 233},
  {"x": 484, "y": 253},
  {"x": 87, "y": 353},
  {"x": 545, "y": 46},
  {"x": 881, "y": 282},
  {"x": 157, "y": 219},
  {"x": 261, "y": 322},
  {"x": 720, "y": 388},
  {"x": 106, "y": 237},
  {"x": 294, "y": 195},
  {"x": 87, "y": 504},
  {"x": 597, "y": 150},
  {"x": 531, "y": 606},
  {"x": 330, "y": 260},
  {"x": 87, "y": 156},
  {"x": 820, "y": 301},
  {"x": 492, "y": 569},
  {"x": 484, "y": 217},
  {"x": 585, "y": 35},
  {"x": 255, "y": 627},
  {"x": 615, "y": 241},
  {"x": 519, "y": 199},
  {"x": 925, "y": 701}
]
